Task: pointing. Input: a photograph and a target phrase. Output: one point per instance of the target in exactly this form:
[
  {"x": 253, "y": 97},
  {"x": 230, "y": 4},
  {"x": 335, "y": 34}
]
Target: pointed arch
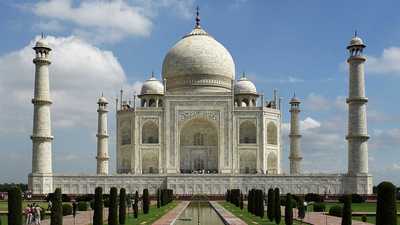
[
  {"x": 272, "y": 163},
  {"x": 150, "y": 133},
  {"x": 247, "y": 133},
  {"x": 272, "y": 134}
]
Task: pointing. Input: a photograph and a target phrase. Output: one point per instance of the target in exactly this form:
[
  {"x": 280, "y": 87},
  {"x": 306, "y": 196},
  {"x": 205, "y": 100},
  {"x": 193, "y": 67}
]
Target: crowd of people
[{"x": 32, "y": 212}]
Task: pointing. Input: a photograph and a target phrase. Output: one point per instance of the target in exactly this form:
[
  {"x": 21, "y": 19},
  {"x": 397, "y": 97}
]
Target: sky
[{"x": 293, "y": 46}]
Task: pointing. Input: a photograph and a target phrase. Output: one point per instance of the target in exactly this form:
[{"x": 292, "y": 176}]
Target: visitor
[
  {"x": 37, "y": 211},
  {"x": 74, "y": 208},
  {"x": 28, "y": 214},
  {"x": 49, "y": 205}
]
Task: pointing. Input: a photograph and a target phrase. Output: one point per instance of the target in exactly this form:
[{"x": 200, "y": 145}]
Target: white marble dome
[
  {"x": 152, "y": 86},
  {"x": 356, "y": 41},
  {"x": 245, "y": 86},
  {"x": 42, "y": 43},
  {"x": 200, "y": 63},
  {"x": 102, "y": 100}
]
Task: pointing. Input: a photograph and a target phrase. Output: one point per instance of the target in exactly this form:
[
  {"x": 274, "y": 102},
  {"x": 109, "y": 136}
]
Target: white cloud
[
  {"x": 105, "y": 21},
  {"x": 309, "y": 123},
  {"x": 387, "y": 63},
  {"x": 315, "y": 102},
  {"x": 79, "y": 73}
]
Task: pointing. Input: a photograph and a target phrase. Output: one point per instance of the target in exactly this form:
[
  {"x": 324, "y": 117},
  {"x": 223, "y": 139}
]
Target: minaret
[
  {"x": 357, "y": 118},
  {"x": 294, "y": 135},
  {"x": 41, "y": 136},
  {"x": 102, "y": 137}
]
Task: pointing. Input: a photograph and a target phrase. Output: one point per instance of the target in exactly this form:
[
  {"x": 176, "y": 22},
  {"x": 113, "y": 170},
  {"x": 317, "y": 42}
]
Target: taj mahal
[{"x": 201, "y": 128}]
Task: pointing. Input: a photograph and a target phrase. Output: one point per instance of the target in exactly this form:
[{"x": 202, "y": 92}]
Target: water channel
[{"x": 199, "y": 213}]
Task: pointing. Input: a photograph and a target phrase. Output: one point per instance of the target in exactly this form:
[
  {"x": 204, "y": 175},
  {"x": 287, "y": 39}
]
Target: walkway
[
  {"x": 172, "y": 215},
  {"x": 82, "y": 218},
  {"x": 226, "y": 216},
  {"x": 320, "y": 218}
]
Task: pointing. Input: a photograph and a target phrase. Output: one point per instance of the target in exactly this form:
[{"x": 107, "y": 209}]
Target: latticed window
[
  {"x": 247, "y": 133},
  {"x": 198, "y": 139}
]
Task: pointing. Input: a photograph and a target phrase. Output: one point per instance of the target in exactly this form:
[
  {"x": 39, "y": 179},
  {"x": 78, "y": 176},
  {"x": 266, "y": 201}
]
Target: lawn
[
  {"x": 371, "y": 219},
  {"x": 153, "y": 215},
  {"x": 248, "y": 217},
  {"x": 4, "y": 204},
  {"x": 359, "y": 207}
]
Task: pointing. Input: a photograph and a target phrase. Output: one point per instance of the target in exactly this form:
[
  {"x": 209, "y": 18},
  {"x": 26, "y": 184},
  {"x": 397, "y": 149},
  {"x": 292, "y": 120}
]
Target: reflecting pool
[{"x": 199, "y": 213}]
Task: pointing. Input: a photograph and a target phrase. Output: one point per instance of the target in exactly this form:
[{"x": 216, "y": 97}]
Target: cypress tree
[
  {"x": 288, "y": 210},
  {"x": 14, "y": 206},
  {"x": 113, "y": 208},
  {"x": 56, "y": 217},
  {"x": 270, "y": 205},
  {"x": 158, "y": 198},
  {"x": 122, "y": 206},
  {"x": 98, "y": 207},
  {"x": 135, "y": 206},
  {"x": 261, "y": 204},
  {"x": 241, "y": 201},
  {"x": 146, "y": 202},
  {"x": 301, "y": 208},
  {"x": 346, "y": 213},
  {"x": 386, "y": 212},
  {"x": 277, "y": 204},
  {"x": 248, "y": 201}
]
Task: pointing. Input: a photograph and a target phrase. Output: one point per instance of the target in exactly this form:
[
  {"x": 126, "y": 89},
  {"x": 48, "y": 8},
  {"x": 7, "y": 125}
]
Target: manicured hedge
[
  {"x": 98, "y": 207},
  {"x": 14, "y": 206},
  {"x": 289, "y": 210},
  {"x": 346, "y": 213},
  {"x": 113, "y": 209},
  {"x": 277, "y": 204},
  {"x": 386, "y": 205},
  {"x": 270, "y": 205},
  {"x": 66, "y": 209},
  {"x": 312, "y": 197},
  {"x": 336, "y": 210},
  {"x": 57, "y": 209},
  {"x": 146, "y": 201},
  {"x": 83, "y": 206},
  {"x": 122, "y": 206},
  {"x": 319, "y": 207}
]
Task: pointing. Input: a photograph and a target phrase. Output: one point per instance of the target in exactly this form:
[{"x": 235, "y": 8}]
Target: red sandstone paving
[
  {"x": 82, "y": 218},
  {"x": 172, "y": 215}
]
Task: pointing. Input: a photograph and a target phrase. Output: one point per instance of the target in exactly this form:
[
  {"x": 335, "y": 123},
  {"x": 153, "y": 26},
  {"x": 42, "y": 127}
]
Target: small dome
[
  {"x": 42, "y": 43},
  {"x": 295, "y": 100},
  {"x": 356, "y": 41},
  {"x": 152, "y": 86},
  {"x": 245, "y": 86},
  {"x": 102, "y": 99}
]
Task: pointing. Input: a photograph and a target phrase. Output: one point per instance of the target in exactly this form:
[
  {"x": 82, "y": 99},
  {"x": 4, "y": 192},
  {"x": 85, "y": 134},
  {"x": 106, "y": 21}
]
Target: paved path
[
  {"x": 320, "y": 218},
  {"x": 227, "y": 216},
  {"x": 82, "y": 218},
  {"x": 173, "y": 214}
]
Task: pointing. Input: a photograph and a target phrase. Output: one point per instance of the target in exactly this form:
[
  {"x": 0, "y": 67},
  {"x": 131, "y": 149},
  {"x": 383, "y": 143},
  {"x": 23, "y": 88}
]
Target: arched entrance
[{"x": 198, "y": 147}]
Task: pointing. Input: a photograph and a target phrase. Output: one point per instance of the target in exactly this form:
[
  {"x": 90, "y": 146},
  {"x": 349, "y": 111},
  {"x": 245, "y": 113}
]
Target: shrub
[
  {"x": 336, "y": 210},
  {"x": 66, "y": 209},
  {"x": 312, "y": 197},
  {"x": 15, "y": 206},
  {"x": 146, "y": 201},
  {"x": 277, "y": 206},
  {"x": 98, "y": 207},
  {"x": 158, "y": 198},
  {"x": 346, "y": 215},
  {"x": 319, "y": 207},
  {"x": 364, "y": 218},
  {"x": 57, "y": 209},
  {"x": 66, "y": 198},
  {"x": 113, "y": 209},
  {"x": 270, "y": 205},
  {"x": 91, "y": 203},
  {"x": 386, "y": 204},
  {"x": 122, "y": 206},
  {"x": 355, "y": 198},
  {"x": 289, "y": 210},
  {"x": 83, "y": 206},
  {"x": 241, "y": 201}
]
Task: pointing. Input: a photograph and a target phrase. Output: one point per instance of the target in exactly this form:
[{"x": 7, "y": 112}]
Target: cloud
[
  {"x": 387, "y": 63},
  {"x": 79, "y": 73},
  {"x": 105, "y": 21},
  {"x": 317, "y": 102}
]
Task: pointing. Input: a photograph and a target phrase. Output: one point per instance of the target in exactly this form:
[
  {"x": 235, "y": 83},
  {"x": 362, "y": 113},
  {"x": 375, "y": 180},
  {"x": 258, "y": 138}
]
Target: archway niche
[
  {"x": 150, "y": 133},
  {"x": 248, "y": 161},
  {"x": 272, "y": 134},
  {"x": 247, "y": 133},
  {"x": 198, "y": 147},
  {"x": 149, "y": 162},
  {"x": 272, "y": 163}
]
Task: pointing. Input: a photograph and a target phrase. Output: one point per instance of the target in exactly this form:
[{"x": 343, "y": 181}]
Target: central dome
[{"x": 198, "y": 63}]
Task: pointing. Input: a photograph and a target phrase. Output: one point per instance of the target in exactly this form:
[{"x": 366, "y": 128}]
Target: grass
[
  {"x": 371, "y": 219},
  {"x": 358, "y": 207},
  {"x": 4, "y": 204},
  {"x": 153, "y": 215},
  {"x": 248, "y": 217}
]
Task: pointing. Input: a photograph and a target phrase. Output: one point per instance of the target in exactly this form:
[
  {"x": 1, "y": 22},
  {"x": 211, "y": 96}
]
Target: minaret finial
[
  {"x": 355, "y": 33},
  {"x": 42, "y": 35},
  {"x": 152, "y": 73},
  {"x": 197, "y": 17}
]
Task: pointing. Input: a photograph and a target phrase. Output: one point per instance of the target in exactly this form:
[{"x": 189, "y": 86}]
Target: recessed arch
[
  {"x": 247, "y": 133},
  {"x": 272, "y": 163},
  {"x": 247, "y": 161},
  {"x": 150, "y": 134},
  {"x": 272, "y": 134},
  {"x": 125, "y": 132}
]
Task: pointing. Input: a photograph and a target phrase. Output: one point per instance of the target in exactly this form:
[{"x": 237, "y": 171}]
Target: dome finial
[
  {"x": 152, "y": 73},
  {"x": 42, "y": 35},
  {"x": 197, "y": 17},
  {"x": 355, "y": 33}
]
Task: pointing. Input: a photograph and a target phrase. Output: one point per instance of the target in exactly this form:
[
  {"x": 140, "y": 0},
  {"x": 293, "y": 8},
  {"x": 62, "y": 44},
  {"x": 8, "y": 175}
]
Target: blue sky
[{"x": 294, "y": 46}]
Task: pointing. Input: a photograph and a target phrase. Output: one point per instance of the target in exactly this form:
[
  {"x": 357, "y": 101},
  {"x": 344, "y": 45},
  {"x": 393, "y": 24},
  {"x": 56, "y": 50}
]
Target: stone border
[
  {"x": 227, "y": 217},
  {"x": 170, "y": 217}
]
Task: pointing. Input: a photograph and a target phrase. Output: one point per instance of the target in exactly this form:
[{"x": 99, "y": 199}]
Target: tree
[
  {"x": 241, "y": 200},
  {"x": 56, "y": 217},
  {"x": 270, "y": 205},
  {"x": 301, "y": 208},
  {"x": 346, "y": 213},
  {"x": 122, "y": 206},
  {"x": 158, "y": 198},
  {"x": 136, "y": 205},
  {"x": 277, "y": 204},
  {"x": 98, "y": 207},
  {"x": 386, "y": 213},
  {"x": 146, "y": 201},
  {"x": 288, "y": 210},
  {"x": 113, "y": 208},
  {"x": 248, "y": 201},
  {"x": 14, "y": 206},
  {"x": 259, "y": 203}
]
